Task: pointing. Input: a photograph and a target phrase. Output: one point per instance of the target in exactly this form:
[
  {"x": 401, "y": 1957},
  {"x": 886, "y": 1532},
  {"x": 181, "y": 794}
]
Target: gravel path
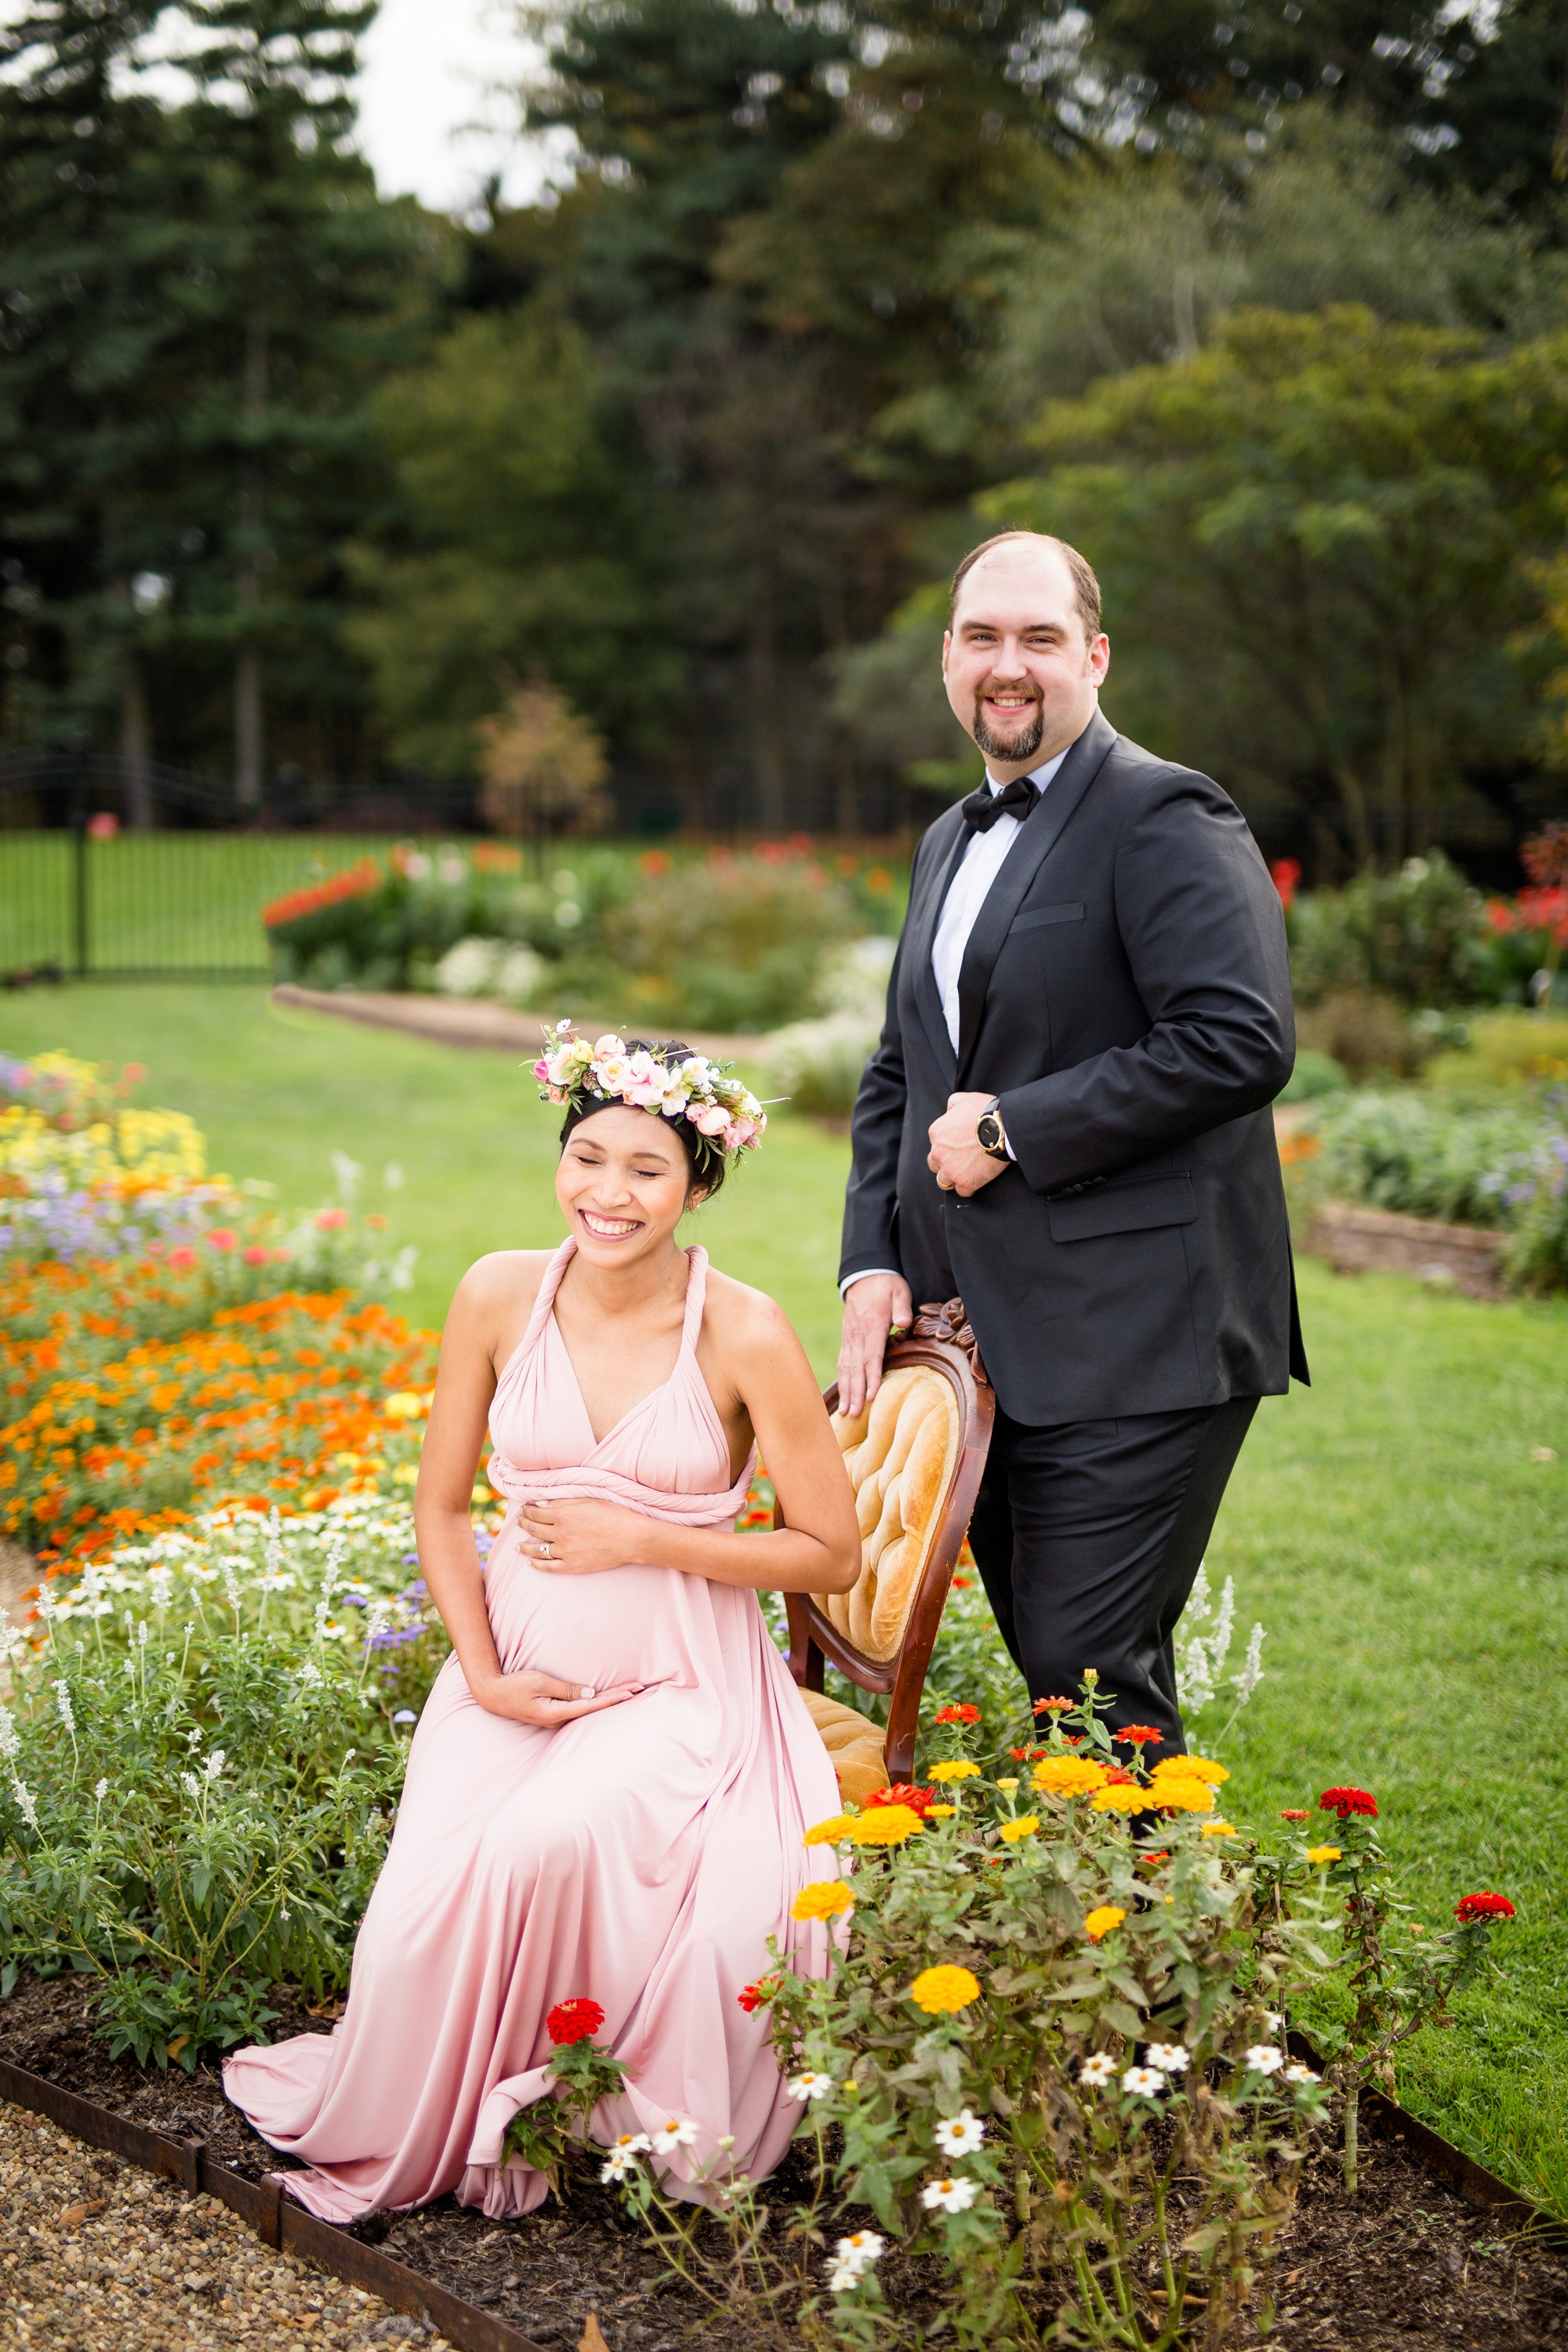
[{"x": 103, "y": 2257}]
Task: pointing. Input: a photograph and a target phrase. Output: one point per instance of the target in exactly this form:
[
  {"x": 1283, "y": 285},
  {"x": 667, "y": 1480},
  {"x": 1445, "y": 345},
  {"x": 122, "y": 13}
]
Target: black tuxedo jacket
[{"x": 1126, "y": 992}]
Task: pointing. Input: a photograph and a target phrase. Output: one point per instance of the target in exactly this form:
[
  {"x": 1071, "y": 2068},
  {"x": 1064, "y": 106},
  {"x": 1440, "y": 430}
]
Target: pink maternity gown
[{"x": 640, "y": 1856}]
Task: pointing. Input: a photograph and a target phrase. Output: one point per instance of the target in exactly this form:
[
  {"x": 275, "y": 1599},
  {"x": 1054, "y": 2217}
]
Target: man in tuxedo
[{"x": 1067, "y": 1125}]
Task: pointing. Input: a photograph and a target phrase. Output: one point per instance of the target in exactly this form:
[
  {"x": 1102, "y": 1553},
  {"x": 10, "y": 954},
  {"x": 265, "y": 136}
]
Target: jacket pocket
[
  {"x": 1038, "y": 915},
  {"x": 1127, "y": 1208}
]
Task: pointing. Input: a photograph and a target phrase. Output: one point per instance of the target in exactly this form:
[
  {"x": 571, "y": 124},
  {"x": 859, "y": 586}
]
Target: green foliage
[
  {"x": 527, "y": 542},
  {"x": 733, "y": 943},
  {"x": 1503, "y": 1165},
  {"x": 1299, "y": 526},
  {"x": 1314, "y": 1076},
  {"x": 1419, "y": 935},
  {"x": 188, "y": 1830}
]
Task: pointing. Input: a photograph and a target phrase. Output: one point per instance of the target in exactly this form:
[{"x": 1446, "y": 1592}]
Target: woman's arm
[
  {"x": 443, "y": 1507},
  {"x": 818, "y": 1547}
]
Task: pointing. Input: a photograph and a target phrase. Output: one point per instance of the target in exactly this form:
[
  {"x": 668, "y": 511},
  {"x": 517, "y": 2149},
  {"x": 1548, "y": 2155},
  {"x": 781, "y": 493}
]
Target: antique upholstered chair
[{"x": 915, "y": 1458}]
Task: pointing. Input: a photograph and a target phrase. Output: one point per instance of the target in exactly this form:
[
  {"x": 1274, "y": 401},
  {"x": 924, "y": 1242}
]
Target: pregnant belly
[{"x": 623, "y": 1624}]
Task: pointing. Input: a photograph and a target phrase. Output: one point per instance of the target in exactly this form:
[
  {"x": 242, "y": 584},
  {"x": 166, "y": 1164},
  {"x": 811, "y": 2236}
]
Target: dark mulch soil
[{"x": 1404, "y": 2264}]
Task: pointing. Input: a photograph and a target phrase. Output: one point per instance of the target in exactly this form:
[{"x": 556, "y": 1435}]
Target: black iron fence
[{"x": 114, "y": 870}]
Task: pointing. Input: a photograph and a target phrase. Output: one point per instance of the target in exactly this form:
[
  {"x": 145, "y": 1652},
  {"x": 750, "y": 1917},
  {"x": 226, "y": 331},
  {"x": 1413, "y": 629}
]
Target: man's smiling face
[{"x": 1021, "y": 673}]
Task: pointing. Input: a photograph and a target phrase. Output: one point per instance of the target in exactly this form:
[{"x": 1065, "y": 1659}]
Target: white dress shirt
[{"x": 982, "y": 862}]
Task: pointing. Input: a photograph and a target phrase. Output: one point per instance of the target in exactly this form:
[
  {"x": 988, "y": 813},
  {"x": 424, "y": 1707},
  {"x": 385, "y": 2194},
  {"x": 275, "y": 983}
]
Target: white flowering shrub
[
  {"x": 1202, "y": 1646},
  {"x": 200, "y": 1757},
  {"x": 498, "y": 968}
]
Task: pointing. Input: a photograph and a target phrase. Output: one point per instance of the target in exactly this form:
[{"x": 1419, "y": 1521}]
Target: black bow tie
[{"x": 982, "y": 808}]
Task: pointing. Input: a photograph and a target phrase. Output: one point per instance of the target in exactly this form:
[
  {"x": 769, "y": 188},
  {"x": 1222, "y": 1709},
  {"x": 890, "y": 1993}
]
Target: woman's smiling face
[{"x": 624, "y": 1184}]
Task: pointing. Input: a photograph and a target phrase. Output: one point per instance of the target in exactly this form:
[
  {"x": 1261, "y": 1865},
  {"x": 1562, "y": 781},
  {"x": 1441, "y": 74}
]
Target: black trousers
[{"x": 1088, "y": 1535}]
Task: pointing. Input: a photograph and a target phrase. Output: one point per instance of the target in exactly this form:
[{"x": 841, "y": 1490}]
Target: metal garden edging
[
  {"x": 261, "y": 2205},
  {"x": 282, "y": 2224}
]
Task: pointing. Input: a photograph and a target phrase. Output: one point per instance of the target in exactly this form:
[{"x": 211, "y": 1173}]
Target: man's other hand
[
  {"x": 955, "y": 1159},
  {"x": 873, "y": 1307}
]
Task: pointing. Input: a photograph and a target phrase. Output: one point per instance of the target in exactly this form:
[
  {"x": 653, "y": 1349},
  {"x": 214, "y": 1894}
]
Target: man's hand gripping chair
[{"x": 915, "y": 1459}]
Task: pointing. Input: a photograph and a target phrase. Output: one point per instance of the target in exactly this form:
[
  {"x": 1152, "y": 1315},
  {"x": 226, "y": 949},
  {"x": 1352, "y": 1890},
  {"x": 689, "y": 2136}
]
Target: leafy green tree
[
  {"x": 1317, "y": 538},
  {"x": 526, "y": 542}
]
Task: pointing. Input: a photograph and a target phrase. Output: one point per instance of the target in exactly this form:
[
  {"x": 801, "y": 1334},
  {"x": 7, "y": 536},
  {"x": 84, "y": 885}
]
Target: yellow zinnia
[
  {"x": 830, "y": 1832},
  {"x": 1218, "y": 1829},
  {"x": 1191, "y": 1768},
  {"x": 1101, "y": 1922},
  {"x": 1024, "y": 1827},
  {"x": 940, "y": 1992},
  {"x": 1183, "y": 1796},
  {"x": 940, "y": 1812},
  {"x": 821, "y": 1900},
  {"x": 1121, "y": 1797},
  {"x": 959, "y": 1770},
  {"x": 1068, "y": 1776},
  {"x": 884, "y": 1826},
  {"x": 1324, "y": 1852}
]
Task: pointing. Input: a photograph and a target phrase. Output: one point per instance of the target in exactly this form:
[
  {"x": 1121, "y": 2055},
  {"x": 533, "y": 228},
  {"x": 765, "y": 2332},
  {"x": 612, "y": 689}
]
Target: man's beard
[{"x": 1010, "y": 749}]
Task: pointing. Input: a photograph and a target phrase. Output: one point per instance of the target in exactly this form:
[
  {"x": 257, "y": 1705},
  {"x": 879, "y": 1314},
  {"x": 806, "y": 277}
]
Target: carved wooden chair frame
[{"x": 941, "y": 1337}]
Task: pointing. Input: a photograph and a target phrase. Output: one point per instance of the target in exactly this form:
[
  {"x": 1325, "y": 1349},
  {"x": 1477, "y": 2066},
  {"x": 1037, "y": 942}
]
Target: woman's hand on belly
[
  {"x": 542, "y": 1699},
  {"x": 584, "y": 1538}
]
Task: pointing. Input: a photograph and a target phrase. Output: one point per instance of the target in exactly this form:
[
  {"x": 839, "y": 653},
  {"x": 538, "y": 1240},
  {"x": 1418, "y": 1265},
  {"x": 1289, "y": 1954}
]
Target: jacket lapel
[
  {"x": 1042, "y": 830},
  {"x": 946, "y": 855}
]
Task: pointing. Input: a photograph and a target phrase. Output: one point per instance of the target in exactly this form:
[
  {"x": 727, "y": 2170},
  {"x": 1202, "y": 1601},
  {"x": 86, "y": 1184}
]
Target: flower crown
[{"x": 727, "y": 1116}]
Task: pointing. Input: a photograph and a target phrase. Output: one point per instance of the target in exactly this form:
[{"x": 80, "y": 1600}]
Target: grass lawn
[{"x": 1390, "y": 1527}]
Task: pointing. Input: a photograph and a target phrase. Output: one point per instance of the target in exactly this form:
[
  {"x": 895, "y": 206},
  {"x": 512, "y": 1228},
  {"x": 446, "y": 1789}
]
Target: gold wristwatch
[{"x": 990, "y": 1134}]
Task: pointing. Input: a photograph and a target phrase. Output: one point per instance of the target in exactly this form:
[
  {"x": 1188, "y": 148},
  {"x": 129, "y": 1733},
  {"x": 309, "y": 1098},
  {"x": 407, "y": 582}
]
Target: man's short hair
[{"x": 1086, "y": 587}]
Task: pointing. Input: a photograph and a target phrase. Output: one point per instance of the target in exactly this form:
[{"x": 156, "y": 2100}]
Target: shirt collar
[{"x": 1040, "y": 776}]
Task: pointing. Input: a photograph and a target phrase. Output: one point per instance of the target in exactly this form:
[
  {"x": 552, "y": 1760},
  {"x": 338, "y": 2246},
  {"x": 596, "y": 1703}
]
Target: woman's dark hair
[{"x": 709, "y": 1165}]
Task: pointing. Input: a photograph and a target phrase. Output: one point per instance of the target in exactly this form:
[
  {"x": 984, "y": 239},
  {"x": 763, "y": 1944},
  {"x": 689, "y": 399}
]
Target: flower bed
[
  {"x": 1502, "y": 1167},
  {"x": 718, "y": 941}
]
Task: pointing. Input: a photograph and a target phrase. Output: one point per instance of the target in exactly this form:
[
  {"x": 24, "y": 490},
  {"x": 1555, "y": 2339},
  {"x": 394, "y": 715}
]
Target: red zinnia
[
  {"x": 1483, "y": 1906},
  {"x": 1137, "y": 1734},
  {"x": 1119, "y": 1772},
  {"x": 1346, "y": 1801},
  {"x": 918, "y": 1800},
  {"x": 758, "y": 1995},
  {"x": 1294, "y": 1815},
  {"x": 574, "y": 2021},
  {"x": 1054, "y": 1706},
  {"x": 960, "y": 1714}
]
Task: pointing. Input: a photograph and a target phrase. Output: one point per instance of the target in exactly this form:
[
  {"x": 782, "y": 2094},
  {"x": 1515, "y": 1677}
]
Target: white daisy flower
[
  {"x": 841, "y": 2277},
  {"x": 676, "y": 2133},
  {"x": 1147, "y": 2081},
  {"x": 860, "y": 2251},
  {"x": 953, "y": 2196},
  {"x": 1263, "y": 2058},
  {"x": 1274, "y": 2020},
  {"x": 961, "y": 2135},
  {"x": 1169, "y": 2056},
  {"x": 809, "y": 2085},
  {"x": 1299, "y": 2073},
  {"x": 1096, "y": 2071}
]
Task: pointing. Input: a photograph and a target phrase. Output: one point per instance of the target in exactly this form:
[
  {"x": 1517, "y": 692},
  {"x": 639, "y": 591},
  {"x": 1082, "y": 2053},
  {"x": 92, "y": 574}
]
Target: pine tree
[
  {"x": 301, "y": 309},
  {"x": 97, "y": 210}
]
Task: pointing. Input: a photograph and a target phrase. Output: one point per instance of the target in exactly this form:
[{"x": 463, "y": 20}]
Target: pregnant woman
[{"x": 609, "y": 1784}]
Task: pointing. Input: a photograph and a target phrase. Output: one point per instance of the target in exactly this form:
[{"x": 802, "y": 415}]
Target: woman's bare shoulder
[
  {"x": 742, "y": 1317},
  {"x": 501, "y": 1287}
]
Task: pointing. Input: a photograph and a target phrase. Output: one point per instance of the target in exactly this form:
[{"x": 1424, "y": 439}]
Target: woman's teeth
[{"x": 609, "y": 1229}]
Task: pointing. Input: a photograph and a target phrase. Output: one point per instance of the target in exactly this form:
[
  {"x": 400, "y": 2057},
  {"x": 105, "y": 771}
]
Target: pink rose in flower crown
[
  {"x": 541, "y": 1071},
  {"x": 712, "y": 1118}
]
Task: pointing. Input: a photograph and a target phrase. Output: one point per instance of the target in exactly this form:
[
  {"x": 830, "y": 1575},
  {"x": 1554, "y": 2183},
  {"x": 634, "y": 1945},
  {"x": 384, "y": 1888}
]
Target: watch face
[{"x": 988, "y": 1132}]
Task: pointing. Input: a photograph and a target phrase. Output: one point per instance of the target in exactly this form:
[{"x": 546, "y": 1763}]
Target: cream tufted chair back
[{"x": 914, "y": 1459}]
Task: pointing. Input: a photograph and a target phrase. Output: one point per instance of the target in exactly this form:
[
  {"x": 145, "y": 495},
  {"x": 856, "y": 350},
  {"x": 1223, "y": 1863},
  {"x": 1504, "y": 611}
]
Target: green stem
[{"x": 1352, "y": 2136}]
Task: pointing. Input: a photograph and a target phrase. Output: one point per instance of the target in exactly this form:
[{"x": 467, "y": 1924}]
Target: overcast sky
[
  {"x": 428, "y": 123},
  {"x": 432, "y": 123}
]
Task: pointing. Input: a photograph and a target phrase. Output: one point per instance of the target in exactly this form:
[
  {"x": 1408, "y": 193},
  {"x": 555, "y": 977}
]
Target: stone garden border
[
  {"x": 1354, "y": 1240},
  {"x": 286, "y": 2227}
]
